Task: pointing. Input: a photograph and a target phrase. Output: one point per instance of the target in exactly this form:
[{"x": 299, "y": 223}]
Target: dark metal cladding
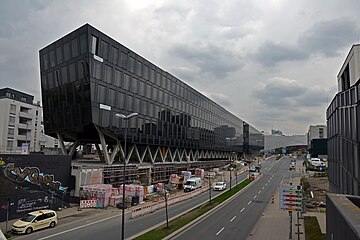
[{"x": 87, "y": 77}]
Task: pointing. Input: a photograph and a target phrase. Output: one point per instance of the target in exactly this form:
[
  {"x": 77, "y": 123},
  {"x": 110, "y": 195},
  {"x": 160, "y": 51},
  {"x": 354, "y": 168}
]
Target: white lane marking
[
  {"x": 233, "y": 219},
  {"x": 249, "y": 202},
  {"x": 262, "y": 187},
  {"x": 259, "y": 191},
  {"x": 220, "y": 231},
  {"x": 255, "y": 196},
  {"x": 265, "y": 184},
  {"x": 85, "y": 225},
  {"x": 242, "y": 209}
]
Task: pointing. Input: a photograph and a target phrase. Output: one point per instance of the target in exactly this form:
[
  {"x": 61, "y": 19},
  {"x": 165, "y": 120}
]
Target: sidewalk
[{"x": 274, "y": 224}]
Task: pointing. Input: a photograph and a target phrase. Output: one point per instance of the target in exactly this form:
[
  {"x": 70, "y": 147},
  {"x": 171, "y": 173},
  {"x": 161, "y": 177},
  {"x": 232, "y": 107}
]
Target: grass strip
[
  {"x": 312, "y": 229},
  {"x": 175, "y": 224}
]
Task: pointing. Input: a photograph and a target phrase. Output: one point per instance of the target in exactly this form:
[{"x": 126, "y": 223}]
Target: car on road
[
  {"x": 292, "y": 166},
  {"x": 34, "y": 221},
  {"x": 219, "y": 186}
]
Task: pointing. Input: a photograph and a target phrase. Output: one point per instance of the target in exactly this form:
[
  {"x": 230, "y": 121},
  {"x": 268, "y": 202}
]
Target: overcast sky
[{"x": 271, "y": 63}]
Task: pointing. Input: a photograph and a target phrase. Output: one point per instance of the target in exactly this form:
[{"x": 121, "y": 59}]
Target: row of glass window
[
  {"x": 125, "y": 69},
  {"x": 111, "y": 96},
  {"x": 76, "y": 70},
  {"x": 60, "y": 54},
  {"x": 144, "y": 70}
]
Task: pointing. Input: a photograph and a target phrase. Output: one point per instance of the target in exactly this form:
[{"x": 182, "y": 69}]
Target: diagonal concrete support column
[
  {"x": 62, "y": 145},
  {"x": 73, "y": 147},
  {"x": 103, "y": 145}
]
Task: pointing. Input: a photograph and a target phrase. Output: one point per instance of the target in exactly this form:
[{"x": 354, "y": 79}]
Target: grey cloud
[
  {"x": 209, "y": 59},
  {"x": 270, "y": 53},
  {"x": 313, "y": 97},
  {"x": 279, "y": 92},
  {"x": 328, "y": 37}
]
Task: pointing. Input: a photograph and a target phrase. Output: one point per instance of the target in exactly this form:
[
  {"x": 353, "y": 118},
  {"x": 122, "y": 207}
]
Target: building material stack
[
  {"x": 99, "y": 192},
  {"x": 199, "y": 172}
]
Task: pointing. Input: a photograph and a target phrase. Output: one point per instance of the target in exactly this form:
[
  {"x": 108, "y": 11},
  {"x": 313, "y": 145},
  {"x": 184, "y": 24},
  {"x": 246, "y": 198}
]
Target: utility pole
[
  {"x": 290, "y": 225},
  {"x": 209, "y": 186},
  {"x": 166, "y": 209}
]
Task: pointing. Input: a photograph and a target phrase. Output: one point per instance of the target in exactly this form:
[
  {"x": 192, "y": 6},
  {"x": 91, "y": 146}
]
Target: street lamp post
[
  {"x": 209, "y": 186},
  {"x": 126, "y": 118}
]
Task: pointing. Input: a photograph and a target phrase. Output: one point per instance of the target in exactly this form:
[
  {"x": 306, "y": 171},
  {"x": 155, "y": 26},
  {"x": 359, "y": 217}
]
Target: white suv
[{"x": 34, "y": 221}]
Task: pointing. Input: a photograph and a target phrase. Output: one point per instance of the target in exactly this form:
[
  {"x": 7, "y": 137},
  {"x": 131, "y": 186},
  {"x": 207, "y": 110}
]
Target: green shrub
[{"x": 304, "y": 183}]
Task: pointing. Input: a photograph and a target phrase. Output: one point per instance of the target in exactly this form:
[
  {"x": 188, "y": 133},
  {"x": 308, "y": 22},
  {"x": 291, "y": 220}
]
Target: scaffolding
[{"x": 141, "y": 174}]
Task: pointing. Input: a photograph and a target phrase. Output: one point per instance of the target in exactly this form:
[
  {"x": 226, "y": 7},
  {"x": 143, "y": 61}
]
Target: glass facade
[
  {"x": 343, "y": 121},
  {"x": 87, "y": 78}
]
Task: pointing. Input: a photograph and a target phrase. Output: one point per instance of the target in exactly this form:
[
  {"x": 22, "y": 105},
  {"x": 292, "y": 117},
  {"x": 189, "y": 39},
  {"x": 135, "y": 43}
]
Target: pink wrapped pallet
[
  {"x": 199, "y": 172},
  {"x": 99, "y": 192},
  {"x": 174, "y": 179}
]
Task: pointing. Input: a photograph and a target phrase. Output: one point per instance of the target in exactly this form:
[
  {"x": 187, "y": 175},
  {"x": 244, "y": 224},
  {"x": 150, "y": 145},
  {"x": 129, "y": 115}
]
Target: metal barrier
[
  {"x": 87, "y": 204},
  {"x": 149, "y": 208}
]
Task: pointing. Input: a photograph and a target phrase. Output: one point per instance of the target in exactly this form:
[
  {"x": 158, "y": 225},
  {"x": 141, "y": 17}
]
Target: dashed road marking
[
  {"x": 265, "y": 184},
  {"x": 259, "y": 191},
  {"x": 220, "y": 231},
  {"x": 242, "y": 209},
  {"x": 233, "y": 219},
  {"x": 262, "y": 187},
  {"x": 249, "y": 202},
  {"x": 255, "y": 196}
]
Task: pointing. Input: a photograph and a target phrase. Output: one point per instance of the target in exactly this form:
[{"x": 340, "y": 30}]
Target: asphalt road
[
  {"x": 107, "y": 225},
  {"x": 237, "y": 218}
]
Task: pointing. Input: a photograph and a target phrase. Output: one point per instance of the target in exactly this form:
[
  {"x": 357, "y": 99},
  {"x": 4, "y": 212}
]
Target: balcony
[
  {"x": 26, "y": 115},
  {"x": 24, "y": 126},
  {"x": 24, "y": 137}
]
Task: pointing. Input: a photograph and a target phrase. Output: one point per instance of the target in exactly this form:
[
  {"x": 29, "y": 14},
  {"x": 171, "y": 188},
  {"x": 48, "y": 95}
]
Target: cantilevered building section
[
  {"x": 343, "y": 126},
  {"x": 87, "y": 78}
]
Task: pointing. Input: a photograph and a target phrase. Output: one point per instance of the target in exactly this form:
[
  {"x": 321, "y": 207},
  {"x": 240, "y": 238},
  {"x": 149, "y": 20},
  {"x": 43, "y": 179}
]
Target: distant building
[
  {"x": 276, "y": 141},
  {"x": 343, "y": 122},
  {"x": 317, "y": 141},
  {"x": 20, "y": 121},
  {"x": 276, "y": 132}
]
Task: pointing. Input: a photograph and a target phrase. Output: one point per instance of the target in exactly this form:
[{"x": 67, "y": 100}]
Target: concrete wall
[
  {"x": 342, "y": 217},
  {"x": 26, "y": 192}
]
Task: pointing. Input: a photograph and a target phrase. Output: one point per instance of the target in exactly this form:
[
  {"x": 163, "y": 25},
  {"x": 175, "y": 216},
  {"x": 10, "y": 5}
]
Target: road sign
[
  {"x": 25, "y": 148},
  {"x": 291, "y": 198}
]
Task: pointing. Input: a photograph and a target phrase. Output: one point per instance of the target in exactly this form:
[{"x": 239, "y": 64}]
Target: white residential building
[
  {"x": 316, "y": 132},
  {"x": 20, "y": 122}
]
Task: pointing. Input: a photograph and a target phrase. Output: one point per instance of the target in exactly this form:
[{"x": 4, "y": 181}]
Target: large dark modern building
[
  {"x": 87, "y": 78},
  {"x": 343, "y": 124}
]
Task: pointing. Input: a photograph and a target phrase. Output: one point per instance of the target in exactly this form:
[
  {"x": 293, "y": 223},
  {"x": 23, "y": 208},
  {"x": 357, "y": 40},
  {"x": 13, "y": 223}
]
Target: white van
[{"x": 192, "y": 184}]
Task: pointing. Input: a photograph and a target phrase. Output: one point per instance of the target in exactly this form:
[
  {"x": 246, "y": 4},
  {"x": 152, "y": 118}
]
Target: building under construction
[{"x": 87, "y": 78}]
